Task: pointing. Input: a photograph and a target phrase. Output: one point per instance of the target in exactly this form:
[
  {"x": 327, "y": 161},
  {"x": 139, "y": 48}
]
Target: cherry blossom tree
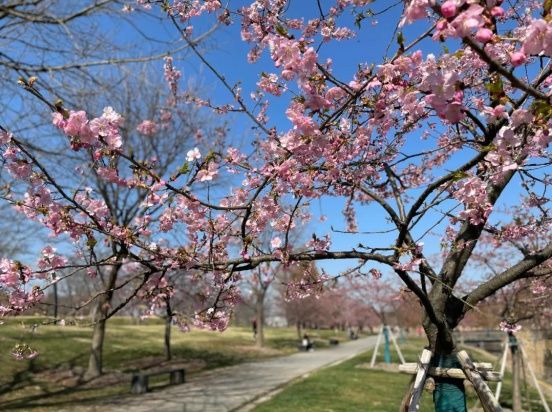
[
  {"x": 71, "y": 50},
  {"x": 258, "y": 285},
  {"x": 525, "y": 300},
  {"x": 154, "y": 134},
  {"x": 302, "y": 308},
  {"x": 440, "y": 136},
  {"x": 381, "y": 296},
  {"x": 339, "y": 306},
  {"x": 179, "y": 295}
]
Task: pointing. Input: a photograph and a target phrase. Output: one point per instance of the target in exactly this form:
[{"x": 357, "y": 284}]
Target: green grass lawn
[
  {"x": 350, "y": 386},
  {"x": 51, "y": 380}
]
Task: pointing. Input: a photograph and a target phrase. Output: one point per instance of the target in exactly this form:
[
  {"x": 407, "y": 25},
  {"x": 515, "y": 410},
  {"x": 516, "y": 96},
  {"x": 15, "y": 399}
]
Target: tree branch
[{"x": 525, "y": 268}]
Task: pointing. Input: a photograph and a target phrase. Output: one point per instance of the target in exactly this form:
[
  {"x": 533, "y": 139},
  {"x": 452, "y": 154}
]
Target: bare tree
[{"x": 162, "y": 143}]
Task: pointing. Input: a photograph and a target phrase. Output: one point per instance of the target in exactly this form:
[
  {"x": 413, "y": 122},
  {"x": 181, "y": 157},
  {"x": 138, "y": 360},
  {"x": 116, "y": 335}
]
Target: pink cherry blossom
[
  {"x": 484, "y": 35},
  {"x": 448, "y": 9},
  {"x": 509, "y": 327},
  {"x": 518, "y": 58},
  {"x": 376, "y": 274},
  {"x": 538, "y": 38},
  {"x": 415, "y": 10},
  {"x": 172, "y": 76},
  {"x": 193, "y": 154},
  {"x": 444, "y": 141},
  {"x": 111, "y": 175},
  {"x": 147, "y": 128},
  {"x": 5, "y": 137},
  {"x": 276, "y": 242},
  {"x": 468, "y": 20},
  {"x": 23, "y": 352},
  {"x": 269, "y": 83},
  {"x": 497, "y": 11},
  {"x": 51, "y": 260},
  {"x": 209, "y": 173}
]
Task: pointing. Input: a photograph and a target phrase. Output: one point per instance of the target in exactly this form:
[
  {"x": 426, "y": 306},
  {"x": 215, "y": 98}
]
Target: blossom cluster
[
  {"x": 472, "y": 192},
  {"x": 378, "y": 137},
  {"x": 85, "y": 133}
]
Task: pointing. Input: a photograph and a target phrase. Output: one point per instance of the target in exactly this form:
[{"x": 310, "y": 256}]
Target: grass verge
[
  {"x": 54, "y": 379},
  {"x": 351, "y": 386}
]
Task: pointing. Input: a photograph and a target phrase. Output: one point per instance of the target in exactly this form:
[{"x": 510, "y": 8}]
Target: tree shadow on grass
[
  {"x": 27, "y": 378},
  {"x": 116, "y": 382}
]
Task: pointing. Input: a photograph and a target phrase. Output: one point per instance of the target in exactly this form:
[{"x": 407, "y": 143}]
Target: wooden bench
[
  {"x": 333, "y": 342},
  {"x": 140, "y": 380}
]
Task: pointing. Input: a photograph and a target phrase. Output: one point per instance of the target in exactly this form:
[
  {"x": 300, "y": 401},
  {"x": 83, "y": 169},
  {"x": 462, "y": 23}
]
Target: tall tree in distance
[{"x": 161, "y": 136}]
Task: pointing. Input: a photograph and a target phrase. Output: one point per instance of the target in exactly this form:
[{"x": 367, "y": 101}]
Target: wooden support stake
[
  {"x": 421, "y": 375},
  {"x": 401, "y": 357},
  {"x": 502, "y": 369},
  {"x": 486, "y": 397},
  {"x": 411, "y": 367},
  {"x": 456, "y": 373},
  {"x": 373, "y": 361},
  {"x": 535, "y": 381}
]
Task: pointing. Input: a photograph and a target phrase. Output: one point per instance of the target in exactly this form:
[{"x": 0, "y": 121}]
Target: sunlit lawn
[
  {"x": 348, "y": 387},
  {"x": 51, "y": 380}
]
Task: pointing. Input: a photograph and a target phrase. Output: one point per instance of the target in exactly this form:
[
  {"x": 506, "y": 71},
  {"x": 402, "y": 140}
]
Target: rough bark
[
  {"x": 167, "y": 336},
  {"x": 448, "y": 311},
  {"x": 56, "y": 302},
  {"x": 299, "y": 330},
  {"x": 167, "y": 340},
  {"x": 260, "y": 315},
  {"x": 95, "y": 360}
]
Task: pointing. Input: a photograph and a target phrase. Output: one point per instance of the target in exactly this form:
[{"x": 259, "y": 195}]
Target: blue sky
[{"x": 225, "y": 50}]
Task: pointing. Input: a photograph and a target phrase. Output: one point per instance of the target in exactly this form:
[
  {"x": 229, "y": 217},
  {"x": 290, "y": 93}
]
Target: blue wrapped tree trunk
[{"x": 449, "y": 394}]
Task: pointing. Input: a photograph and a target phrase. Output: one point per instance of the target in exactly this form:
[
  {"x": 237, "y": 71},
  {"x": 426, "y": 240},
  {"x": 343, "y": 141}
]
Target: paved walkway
[{"x": 233, "y": 388}]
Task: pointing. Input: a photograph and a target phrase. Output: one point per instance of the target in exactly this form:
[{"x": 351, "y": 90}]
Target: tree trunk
[
  {"x": 299, "y": 330},
  {"x": 167, "y": 341},
  {"x": 95, "y": 360},
  {"x": 449, "y": 394},
  {"x": 56, "y": 302},
  {"x": 259, "y": 309},
  {"x": 168, "y": 354}
]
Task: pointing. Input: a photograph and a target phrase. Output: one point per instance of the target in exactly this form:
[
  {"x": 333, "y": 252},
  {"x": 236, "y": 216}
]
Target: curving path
[{"x": 234, "y": 388}]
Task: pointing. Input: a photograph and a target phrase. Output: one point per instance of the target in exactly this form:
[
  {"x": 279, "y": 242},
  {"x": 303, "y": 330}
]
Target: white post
[
  {"x": 401, "y": 357},
  {"x": 535, "y": 381},
  {"x": 417, "y": 388},
  {"x": 373, "y": 361},
  {"x": 502, "y": 369}
]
